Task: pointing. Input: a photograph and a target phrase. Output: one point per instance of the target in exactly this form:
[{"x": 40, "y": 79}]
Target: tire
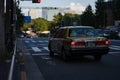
[
  {"x": 64, "y": 55},
  {"x": 51, "y": 53},
  {"x": 97, "y": 57}
]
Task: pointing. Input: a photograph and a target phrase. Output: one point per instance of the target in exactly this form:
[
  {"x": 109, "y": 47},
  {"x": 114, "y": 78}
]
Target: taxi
[{"x": 72, "y": 41}]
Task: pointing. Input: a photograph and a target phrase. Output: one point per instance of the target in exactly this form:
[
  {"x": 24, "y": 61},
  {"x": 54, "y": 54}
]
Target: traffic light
[{"x": 36, "y": 1}]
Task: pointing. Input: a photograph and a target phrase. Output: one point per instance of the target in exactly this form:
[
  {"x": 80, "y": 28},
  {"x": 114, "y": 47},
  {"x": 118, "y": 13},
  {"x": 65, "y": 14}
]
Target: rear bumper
[{"x": 89, "y": 51}]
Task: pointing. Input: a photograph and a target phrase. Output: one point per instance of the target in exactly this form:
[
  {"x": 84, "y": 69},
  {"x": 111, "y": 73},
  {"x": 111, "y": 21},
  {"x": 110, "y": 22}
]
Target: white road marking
[
  {"x": 42, "y": 44},
  {"x": 43, "y": 41},
  {"x": 36, "y": 49},
  {"x": 46, "y": 57},
  {"x": 46, "y": 41},
  {"x": 41, "y": 54},
  {"x": 114, "y": 52},
  {"x": 40, "y": 41},
  {"x": 46, "y": 48},
  {"x": 51, "y": 63},
  {"x": 114, "y": 40},
  {"x": 115, "y": 47},
  {"x": 26, "y": 41},
  {"x": 33, "y": 41}
]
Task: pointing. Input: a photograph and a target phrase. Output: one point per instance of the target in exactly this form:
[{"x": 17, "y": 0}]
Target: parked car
[{"x": 78, "y": 41}]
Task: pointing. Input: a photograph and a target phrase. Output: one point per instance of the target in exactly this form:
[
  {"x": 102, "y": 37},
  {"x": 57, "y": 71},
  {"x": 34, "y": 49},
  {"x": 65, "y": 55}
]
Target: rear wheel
[
  {"x": 97, "y": 57},
  {"x": 51, "y": 53},
  {"x": 64, "y": 55}
]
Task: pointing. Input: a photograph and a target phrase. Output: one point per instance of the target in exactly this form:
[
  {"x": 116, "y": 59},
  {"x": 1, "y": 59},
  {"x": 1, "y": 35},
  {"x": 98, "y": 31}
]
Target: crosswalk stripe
[
  {"x": 36, "y": 49},
  {"x": 46, "y": 48},
  {"x": 115, "y": 47},
  {"x": 114, "y": 52},
  {"x": 33, "y": 41},
  {"x": 26, "y": 41},
  {"x": 41, "y": 54},
  {"x": 42, "y": 41}
]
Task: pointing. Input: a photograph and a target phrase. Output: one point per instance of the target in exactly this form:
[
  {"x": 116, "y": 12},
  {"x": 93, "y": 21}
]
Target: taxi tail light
[
  {"x": 103, "y": 42},
  {"x": 73, "y": 43}
]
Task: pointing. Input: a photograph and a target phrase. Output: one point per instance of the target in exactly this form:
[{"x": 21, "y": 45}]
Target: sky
[{"x": 77, "y": 5}]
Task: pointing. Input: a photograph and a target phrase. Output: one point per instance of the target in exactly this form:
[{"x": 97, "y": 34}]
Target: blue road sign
[{"x": 27, "y": 19}]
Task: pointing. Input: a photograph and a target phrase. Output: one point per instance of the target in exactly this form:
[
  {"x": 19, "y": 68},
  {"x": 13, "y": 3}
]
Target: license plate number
[{"x": 90, "y": 44}]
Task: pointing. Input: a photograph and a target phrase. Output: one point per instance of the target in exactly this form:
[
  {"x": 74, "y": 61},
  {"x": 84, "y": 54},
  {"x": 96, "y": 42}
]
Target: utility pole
[
  {"x": 2, "y": 30},
  {"x": 8, "y": 26}
]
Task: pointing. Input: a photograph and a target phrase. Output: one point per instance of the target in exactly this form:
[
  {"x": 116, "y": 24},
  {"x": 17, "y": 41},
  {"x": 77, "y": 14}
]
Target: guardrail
[{"x": 12, "y": 63}]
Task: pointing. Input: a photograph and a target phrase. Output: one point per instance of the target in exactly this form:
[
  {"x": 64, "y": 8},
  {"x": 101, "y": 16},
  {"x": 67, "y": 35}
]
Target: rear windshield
[{"x": 82, "y": 32}]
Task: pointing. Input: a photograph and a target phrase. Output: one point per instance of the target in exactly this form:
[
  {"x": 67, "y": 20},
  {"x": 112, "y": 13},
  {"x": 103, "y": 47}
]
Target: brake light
[
  {"x": 103, "y": 42},
  {"x": 107, "y": 42},
  {"x": 73, "y": 43}
]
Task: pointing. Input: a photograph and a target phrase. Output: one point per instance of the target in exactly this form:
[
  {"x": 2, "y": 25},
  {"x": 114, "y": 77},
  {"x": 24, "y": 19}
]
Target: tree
[
  {"x": 67, "y": 19},
  {"x": 58, "y": 19},
  {"x": 88, "y": 18},
  {"x": 100, "y": 13},
  {"x": 41, "y": 24},
  {"x": 20, "y": 19},
  {"x": 116, "y": 9}
]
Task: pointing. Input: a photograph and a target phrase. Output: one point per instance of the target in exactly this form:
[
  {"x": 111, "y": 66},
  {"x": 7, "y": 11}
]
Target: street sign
[{"x": 27, "y": 19}]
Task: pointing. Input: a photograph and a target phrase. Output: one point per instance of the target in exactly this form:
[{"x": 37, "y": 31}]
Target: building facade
[{"x": 47, "y": 13}]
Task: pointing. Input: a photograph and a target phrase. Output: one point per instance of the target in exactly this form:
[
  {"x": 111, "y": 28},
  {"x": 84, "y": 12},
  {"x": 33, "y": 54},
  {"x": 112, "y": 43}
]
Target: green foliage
[
  {"x": 66, "y": 19},
  {"x": 26, "y": 26},
  {"x": 88, "y": 18},
  {"x": 39, "y": 24},
  {"x": 116, "y": 9},
  {"x": 20, "y": 19},
  {"x": 100, "y": 12},
  {"x": 58, "y": 19}
]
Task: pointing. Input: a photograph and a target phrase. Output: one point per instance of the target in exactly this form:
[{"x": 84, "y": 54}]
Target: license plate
[{"x": 90, "y": 44}]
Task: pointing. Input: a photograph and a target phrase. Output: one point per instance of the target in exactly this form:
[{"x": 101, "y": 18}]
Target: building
[
  {"x": 33, "y": 12},
  {"x": 47, "y": 13}
]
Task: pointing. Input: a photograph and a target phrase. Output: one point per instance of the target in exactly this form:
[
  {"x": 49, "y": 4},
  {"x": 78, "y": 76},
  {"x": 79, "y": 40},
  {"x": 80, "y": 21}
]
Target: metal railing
[{"x": 10, "y": 76}]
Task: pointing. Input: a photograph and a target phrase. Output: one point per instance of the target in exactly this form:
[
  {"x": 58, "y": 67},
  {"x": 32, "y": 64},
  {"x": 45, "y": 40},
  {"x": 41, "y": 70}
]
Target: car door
[
  {"x": 60, "y": 40},
  {"x": 53, "y": 41}
]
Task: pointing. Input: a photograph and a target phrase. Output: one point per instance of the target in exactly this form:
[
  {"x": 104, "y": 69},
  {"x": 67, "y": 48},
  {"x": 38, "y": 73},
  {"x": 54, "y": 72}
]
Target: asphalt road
[{"x": 43, "y": 67}]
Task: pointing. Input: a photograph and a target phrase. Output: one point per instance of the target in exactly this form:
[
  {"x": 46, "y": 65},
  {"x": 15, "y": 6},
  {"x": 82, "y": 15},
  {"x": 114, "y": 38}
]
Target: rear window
[{"x": 82, "y": 32}]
